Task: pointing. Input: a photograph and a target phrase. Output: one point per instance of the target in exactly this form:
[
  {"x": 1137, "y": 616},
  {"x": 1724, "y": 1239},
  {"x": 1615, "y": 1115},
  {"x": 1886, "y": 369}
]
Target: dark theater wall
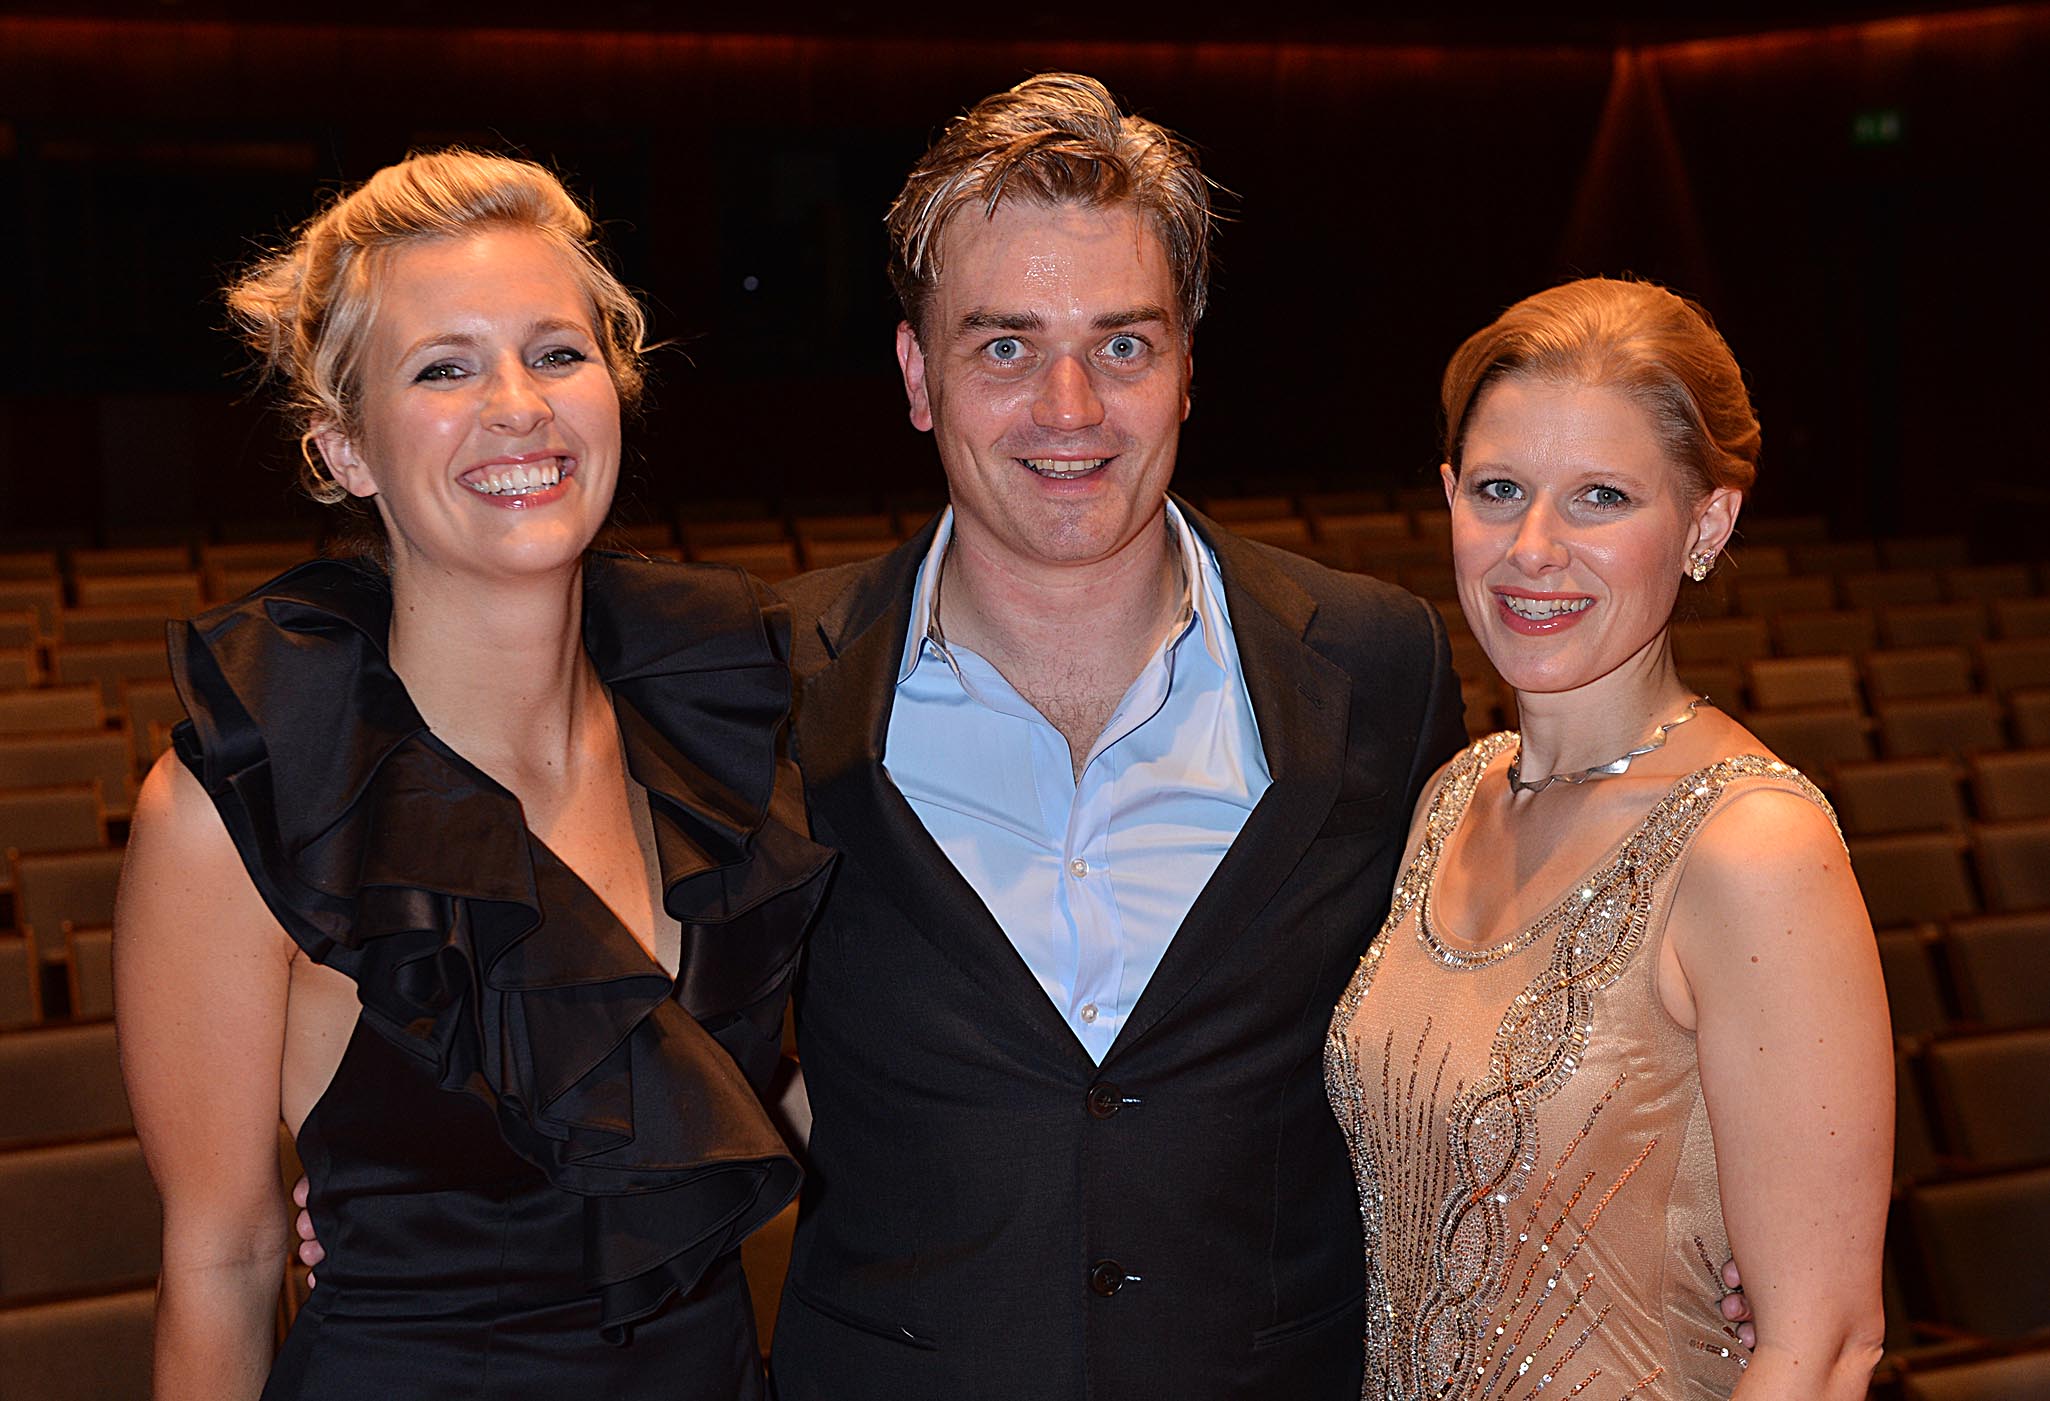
[{"x": 1857, "y": 205}]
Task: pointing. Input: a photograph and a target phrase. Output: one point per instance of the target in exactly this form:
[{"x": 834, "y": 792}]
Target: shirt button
[
  {"x": 1078, "y": 868},
  {"x": 1089, "y": 1014},
  {"x": 1106, "y": 1278},
  {"x": 1104, "y": 1099}
]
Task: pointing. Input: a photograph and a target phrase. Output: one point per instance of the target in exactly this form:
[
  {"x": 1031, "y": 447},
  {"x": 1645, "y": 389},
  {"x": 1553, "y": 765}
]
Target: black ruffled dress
[{"x": 540, "y": 1153}]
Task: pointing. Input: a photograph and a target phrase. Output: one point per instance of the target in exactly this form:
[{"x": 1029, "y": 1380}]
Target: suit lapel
[
  {"x": 1302, "y": 702},
  {"x": 843, "y": 719}
]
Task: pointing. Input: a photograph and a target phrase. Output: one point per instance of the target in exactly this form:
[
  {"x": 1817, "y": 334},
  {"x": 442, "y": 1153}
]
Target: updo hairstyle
[
  {"x": 1603, "y": 333},
  {"x": 307, "y": 310}
]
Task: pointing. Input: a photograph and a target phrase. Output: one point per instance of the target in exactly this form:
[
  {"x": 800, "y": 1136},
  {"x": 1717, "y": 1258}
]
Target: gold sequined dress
[{"x": 1536, "y": 1172}]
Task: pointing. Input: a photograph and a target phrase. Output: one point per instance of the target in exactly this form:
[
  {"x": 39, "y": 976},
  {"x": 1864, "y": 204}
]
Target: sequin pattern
[{"x": 1479, "y": 1281}]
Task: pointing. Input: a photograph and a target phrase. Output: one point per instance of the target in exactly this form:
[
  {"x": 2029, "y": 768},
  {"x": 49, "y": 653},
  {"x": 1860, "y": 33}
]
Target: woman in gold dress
[{"x": 1625, "y": 1013}]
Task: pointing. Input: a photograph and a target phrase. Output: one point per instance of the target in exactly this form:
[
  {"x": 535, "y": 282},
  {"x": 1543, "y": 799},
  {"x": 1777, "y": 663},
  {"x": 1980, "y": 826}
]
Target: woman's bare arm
[
  {"x": 201, "y": 973},
  {"x": 1780, "y": 976}
]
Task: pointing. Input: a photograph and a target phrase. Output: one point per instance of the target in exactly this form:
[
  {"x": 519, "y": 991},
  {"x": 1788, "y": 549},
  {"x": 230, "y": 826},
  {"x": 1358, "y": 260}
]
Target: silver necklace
[{"x": 1617, "y": 765}]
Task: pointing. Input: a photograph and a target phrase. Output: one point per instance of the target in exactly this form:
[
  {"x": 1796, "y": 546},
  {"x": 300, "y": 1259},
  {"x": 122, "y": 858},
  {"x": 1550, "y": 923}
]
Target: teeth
[
  {"x": 1538, "y": 609},
  {"x": 518, "y": 479},
  {"x": 1063, "y": 470}
]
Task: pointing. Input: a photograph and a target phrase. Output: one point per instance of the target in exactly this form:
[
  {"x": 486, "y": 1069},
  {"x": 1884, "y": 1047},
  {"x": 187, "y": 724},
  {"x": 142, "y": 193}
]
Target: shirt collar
[{"x": 1202, "y": 599}]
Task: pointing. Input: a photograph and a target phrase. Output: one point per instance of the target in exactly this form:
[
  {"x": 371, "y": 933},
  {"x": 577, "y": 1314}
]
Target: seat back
[
  {"x": 1897, "y": 795},
  {"x": 1948, "y": 725},
  {"x": 2015, "y": 663},
  {"x": 1904, "y": 672},
  {"x": 108, "y": 664},
  {"x": 76, "y": 1218},
  {"x": 1913, "y": 878},
  {"x": 1913, "y": 998},
  {"x": 55, "y": 888},
  {"x": 2016, "y": 1376},
  {"x": 2015, "y": 783},
  {"x": 1844, "y": 631},
  {"x": 1984, "y": 1244},
  {"x": 1781, "y": 682},
  {"x": 2000, "y": 967},
  {"x": 62, "y": 818},
  {"x": 1992, "y": 1096},
  {"x": 1932, "y": 624},
  {"x": 93, "y": 1349},
  {"x": 61, "y": 1082},
  {"x": 1814, "y": 740},
  {"x": 49, "y": 709},
  {"x": 46, "y": 760},
  {"x": 2014, "y": 863},
  {"x": 1876, "y": 588}
]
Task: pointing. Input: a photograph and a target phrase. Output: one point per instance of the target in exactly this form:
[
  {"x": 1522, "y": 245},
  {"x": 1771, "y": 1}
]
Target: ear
[
  {"x": 1451, "y": 483},
  {"x": 1188, "y": 376},
  {"x": 1715, "y": 521},
  {"x": 911, "y": 363},
  {"x": 344, "y": 463}
]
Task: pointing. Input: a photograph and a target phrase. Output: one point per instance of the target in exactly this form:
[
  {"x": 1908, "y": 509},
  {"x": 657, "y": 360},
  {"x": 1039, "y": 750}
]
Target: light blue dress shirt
[{"x": 1089, "y": 880}]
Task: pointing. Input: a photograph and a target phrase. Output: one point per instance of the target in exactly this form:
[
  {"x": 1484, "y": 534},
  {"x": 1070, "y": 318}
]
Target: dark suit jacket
[{"x": 988, "y": 1213}]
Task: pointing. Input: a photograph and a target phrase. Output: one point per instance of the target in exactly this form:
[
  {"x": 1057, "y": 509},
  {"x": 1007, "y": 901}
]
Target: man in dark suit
[{"x": 1120, "y": 798}]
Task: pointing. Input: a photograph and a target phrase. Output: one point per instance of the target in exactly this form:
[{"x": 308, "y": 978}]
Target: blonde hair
[
  {"x": 1056, "y": 138},
  {"x": 307, "y": 309},
  {"x": 1661, "y": 349}
]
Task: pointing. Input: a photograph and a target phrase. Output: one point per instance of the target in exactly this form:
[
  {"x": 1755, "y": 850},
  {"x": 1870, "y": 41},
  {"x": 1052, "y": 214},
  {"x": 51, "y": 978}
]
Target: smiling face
[
  {"x": 1570, "y": 530},
  {"x": 489, "y": 423},
  {"x": 1053, "y": 378}
]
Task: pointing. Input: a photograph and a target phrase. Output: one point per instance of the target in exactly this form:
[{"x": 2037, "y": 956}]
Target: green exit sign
[{"x": 1879, "y": 127}]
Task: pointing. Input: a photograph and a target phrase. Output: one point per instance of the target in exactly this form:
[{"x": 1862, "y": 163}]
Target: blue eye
[
  {"x": 1496, "y": 490},
  {"x": 1608, "y": 496},
  {"x": 1123, "y": 348},
  {"x": 1006, "y": 349},
  {"x": 440, "y": 370},
  {"x": 562, "y": 356}
]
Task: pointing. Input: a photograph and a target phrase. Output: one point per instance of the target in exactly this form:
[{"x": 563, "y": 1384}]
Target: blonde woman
[{"x": 465, "y": 866}]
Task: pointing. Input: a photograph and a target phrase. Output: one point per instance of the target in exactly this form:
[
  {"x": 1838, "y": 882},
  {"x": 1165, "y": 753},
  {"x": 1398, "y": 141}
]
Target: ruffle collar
[{"x": 386, "y": 854}]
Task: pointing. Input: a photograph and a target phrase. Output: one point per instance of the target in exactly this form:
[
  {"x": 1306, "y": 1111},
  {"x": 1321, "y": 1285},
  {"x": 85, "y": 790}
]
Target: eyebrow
[
  {"x": 984, "y": 320},
  {"x": 459, "y": 340}
]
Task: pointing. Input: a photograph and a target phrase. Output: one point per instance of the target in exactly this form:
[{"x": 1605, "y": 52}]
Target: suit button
[
  {"x": 1104, "y": 1099},
  {"x": 1107, "y": 1278}
]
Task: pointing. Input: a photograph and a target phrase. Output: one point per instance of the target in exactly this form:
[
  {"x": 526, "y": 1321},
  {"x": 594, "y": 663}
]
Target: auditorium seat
[
  {"x": 700, "y": 535},
  {"x": 2011, "y": 784},
  {"x": 1925, "y": 552},
  {"x": 89, "y": 970},
  {"x": 1801, "y": 593},
  {"x": 144, "y": 704},
  {"x": 131, "y": 560},
  {"x": 1783, "y": 683},
  {"x": 61, "y": 1082},
  {"x": 1230, "y": 510},
  {"x": 1913, "y": 997},
  {"x": 1813, "y": 741},
  {"x": 19, "y": 630},
  {"x": 1906, "y": 673},
  {"x": 1356, "y": 526},
  {"x": 76, "y": 1217},
  {"x": 28, "y": 564},
  {"x": 1353, "y": 501},
  {"x": 1913, "y": 878},
  {"x": 2014, "y": 863},
  {"x": 77, "y": 626},
  {"x": 1731, "y": 640},
  {"x": 2031, "y": 711},
  {"x": 2022, "y": 1375},
  {"x": 1834, "y": 556},
  {"x": 45, "y": 760},
  {"x": 2000, "y": 967},
  {"x": 1952, "y": 725},
  {"x": 56, "y": 888},
  {"x": 1420, "y": 498},
  {"x": 1849, "y": 631},
  {"x": 1991, "y": 1094},
  {"x": 1885, "y": 587},
  {"x": 1984, "y": 1247},
  {"x": 1287, "y": 533},
  {"x": 20, "y": 983},
  {"x": 43, "y": 597},
  {"x": 51, "y": 709},
  {"x": 1721, "y": 682},
  {"x": 2015, "y": 663},
  {"x": 108, "y": 664},
  {"x": 1783, "y": 530},
  {"x": 2022, "y": 617},
  {"x": 91, "y": 1349},
  {"x": 1432, "y": 581},
  {"x": 178, "y": 595},
  {"x": 1915, "y": 1154},
  {"x": 1897, "y": 795},
  {"x": 770, "y": 561},
  {"x": 1932, "y": 624},
  {"x": 62, "y": 817},
  {"x": 1987, "y": 582},
  {"x": 1750, "y": 561},
  {"x": 18, "y": 668},
  {"x": 822, "y": 552}
]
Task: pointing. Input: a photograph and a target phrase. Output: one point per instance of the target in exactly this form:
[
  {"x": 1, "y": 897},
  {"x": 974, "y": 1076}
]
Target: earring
[{"x": 1700, "y": 565}]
